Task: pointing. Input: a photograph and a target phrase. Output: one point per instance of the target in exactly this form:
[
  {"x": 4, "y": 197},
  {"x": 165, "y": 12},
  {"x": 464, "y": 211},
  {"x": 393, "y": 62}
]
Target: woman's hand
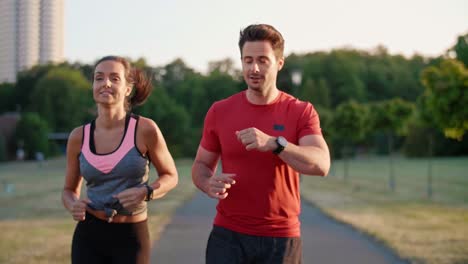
[
  {"x": 78, "y": 209},
  {"x": 132, "y": 197}
]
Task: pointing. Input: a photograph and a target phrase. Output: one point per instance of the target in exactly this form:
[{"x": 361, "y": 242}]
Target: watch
[
  {"x": 282, "y": 143},
  {"x": 149, "y": 193}
]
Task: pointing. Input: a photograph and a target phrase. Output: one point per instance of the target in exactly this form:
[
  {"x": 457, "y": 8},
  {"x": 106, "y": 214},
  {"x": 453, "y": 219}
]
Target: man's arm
[
  {"x": 204, "y": 176},
  {"x": 311, "y": 156}
]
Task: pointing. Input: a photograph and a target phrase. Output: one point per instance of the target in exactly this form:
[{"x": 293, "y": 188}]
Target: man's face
[{"x": 260, "y": 65}]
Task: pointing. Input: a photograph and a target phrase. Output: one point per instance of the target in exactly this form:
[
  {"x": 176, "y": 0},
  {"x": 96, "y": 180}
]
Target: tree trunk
[
  {"x": 429, "y": 166},
  {"x": 391, "y": 179},
  {"x": 346, "y": 164}
]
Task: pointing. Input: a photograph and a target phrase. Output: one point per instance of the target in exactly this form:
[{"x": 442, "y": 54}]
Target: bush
[{"x": 417, "y": 143}]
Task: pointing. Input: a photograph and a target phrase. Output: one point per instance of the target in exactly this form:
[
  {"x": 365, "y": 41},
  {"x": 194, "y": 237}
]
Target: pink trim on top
[{"x": 106, "y": 163}]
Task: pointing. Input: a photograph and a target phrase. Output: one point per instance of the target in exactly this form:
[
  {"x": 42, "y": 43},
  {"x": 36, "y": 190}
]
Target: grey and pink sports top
[{"x": 111, "y": 173}]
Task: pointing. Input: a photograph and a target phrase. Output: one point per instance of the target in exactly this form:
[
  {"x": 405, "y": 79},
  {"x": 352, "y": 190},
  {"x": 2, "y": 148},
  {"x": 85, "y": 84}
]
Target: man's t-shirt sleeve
[
  {"x": 210, "y": 140},
  {"x": 309, "y": 122}
]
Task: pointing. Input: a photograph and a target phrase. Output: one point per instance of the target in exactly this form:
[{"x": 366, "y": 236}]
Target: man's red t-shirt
[{"x": 265, "y": 200}]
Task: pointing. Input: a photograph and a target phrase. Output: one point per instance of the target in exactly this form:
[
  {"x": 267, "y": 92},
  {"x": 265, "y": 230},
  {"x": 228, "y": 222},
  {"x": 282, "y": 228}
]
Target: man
[{"x": 264, "y": 138}]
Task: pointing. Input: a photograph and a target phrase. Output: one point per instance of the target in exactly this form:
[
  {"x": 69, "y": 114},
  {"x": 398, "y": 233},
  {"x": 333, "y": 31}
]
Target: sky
[{"x": 200, "y": 31}]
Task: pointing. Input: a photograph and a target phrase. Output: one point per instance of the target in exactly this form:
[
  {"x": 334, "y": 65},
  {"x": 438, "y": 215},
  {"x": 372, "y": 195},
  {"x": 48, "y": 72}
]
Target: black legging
[{"x": 96, "y": 241}]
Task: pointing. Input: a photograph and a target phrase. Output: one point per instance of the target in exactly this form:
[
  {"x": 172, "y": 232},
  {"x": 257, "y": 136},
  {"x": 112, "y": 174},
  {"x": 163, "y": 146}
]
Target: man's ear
[{"x": 280, "y": 63}]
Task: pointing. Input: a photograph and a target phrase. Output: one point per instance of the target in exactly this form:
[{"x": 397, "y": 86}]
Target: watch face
[{"x": 282, "y": 141}]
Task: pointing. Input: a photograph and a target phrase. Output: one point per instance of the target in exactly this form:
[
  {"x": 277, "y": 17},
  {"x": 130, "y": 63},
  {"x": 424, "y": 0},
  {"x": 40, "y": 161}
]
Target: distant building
[{"x": 31, "y": 32}]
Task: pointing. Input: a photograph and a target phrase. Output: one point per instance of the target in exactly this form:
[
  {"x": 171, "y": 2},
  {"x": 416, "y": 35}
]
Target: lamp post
[{"x": 296, "y": 78}]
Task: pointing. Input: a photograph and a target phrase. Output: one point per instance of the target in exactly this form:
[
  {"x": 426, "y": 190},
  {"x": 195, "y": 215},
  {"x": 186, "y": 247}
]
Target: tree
[
  {"x": 173, "y": 74},
  {"x": 342, "y": 71},
  {"x": 317, "y": 93},
  {"x": 350, "y": 125},
  {"x": 214, "y": 87},
  {"x": 172, "y": 119},
  {"x": 7, "y": 97},
  {"x": 3, "y": 149},
  {"x": 391, "y": 117},
  {"x": 446, "y": 94},
  {"x": 33, "y": 131},
  {"x": 461, "y": 49},
  {"x": 26, "y": 81},
  {"x": 225, "y": 66},
  {"x": 63, "y": 97}
]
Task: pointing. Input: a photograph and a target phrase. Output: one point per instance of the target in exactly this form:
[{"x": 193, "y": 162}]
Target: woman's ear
[{"x": 129, "y": 90}]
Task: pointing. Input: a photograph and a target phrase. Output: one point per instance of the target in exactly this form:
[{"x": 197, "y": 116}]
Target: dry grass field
[
  {"x": 35, "y": 228},
  {"x": 418, "y": 229}
]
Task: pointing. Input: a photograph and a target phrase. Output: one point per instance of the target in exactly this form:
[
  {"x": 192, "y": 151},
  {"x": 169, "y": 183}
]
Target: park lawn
[
  {"x": 417, "y": 229},
  {"x": 35, "y": 228}
]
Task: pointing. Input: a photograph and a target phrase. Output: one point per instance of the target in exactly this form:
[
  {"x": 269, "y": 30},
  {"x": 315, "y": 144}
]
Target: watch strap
[
  {"x": 279, "y": 147},
  {"x": 149, "y": 192}
]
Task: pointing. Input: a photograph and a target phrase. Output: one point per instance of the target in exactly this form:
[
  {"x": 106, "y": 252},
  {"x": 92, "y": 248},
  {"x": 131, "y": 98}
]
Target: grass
[
  {"x": 35, "y": 228},
  {"x": 418, "y": 229}
]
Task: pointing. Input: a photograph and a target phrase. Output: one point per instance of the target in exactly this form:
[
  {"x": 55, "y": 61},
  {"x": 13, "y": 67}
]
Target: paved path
[{"x": 324, "y": 240}]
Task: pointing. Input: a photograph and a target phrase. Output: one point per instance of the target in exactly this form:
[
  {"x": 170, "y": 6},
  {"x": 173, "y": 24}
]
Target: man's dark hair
[{"x": 263, "y": 32}]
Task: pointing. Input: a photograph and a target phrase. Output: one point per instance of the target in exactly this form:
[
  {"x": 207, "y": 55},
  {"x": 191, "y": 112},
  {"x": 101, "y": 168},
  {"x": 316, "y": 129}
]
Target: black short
[
  {"x": 97, "y": 241},
  {"x": 229, "y": 247}
]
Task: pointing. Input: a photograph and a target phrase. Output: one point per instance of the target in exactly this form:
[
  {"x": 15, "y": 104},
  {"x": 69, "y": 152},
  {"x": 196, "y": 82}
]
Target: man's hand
[
  {"x": 218, "y": 185},
  {"x": 253, "y": 138}
]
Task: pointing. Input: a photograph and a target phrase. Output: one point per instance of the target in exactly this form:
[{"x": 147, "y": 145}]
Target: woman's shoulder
[
  {"x": 75, "y": 139},
  {"x": 147, "y": 125},
  {"x": 76, "y": 133}
]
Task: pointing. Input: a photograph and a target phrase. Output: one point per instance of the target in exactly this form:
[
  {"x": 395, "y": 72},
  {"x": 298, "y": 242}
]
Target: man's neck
[{"x": 262, "y": 97}]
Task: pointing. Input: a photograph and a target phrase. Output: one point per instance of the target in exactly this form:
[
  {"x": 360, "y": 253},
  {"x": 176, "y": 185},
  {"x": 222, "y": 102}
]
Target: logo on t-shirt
[{"x": 278, "y": 127}]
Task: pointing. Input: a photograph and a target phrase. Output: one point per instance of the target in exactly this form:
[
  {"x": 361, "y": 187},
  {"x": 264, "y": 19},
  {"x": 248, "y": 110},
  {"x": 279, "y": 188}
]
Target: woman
[{"x": 112, "y": 154}]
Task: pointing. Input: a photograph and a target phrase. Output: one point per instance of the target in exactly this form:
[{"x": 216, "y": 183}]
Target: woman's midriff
[{"x": 118, "y": 218}]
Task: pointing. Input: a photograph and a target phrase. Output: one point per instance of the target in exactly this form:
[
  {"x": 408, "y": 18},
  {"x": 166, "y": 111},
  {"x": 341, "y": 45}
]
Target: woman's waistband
[{"x": 118, "y": 218}]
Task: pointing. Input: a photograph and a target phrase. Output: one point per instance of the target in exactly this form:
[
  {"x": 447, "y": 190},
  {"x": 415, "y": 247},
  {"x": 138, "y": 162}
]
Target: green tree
[
  {"x": 350, "y": 125},
  {"x": 461, "y": 49},
  {"x": 172, "y": 119},
  {"x": 214, "y": 87},
  {"x": 172, "y": 75},
  {"x": 388, "y": 76},
  {"x": 3, "y": 149},
  {"x": 63, "y": 97},
  {"x": 225, "y": 66},
  {"x": 391, "y": 117},
  {"x": 7, "y": 97},
  {"x": 446, "y": 94},
  {"x": 317, "y": 93},
  {"x": 343, "y": 70},
  {"x": 25, "y": 83},
  {"x": 33, "y": 131}
]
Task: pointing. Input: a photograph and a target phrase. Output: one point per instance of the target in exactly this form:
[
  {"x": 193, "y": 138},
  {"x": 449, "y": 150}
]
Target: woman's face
[{"x": 110, "y": 86}]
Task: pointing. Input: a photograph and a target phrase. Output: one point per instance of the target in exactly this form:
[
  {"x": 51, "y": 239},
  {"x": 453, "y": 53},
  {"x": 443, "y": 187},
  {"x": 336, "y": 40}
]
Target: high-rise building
[
  {"x": 52, "y": 28},
  {"x": 8, "y": 40},
  {"x": 31, "y": 32}
]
